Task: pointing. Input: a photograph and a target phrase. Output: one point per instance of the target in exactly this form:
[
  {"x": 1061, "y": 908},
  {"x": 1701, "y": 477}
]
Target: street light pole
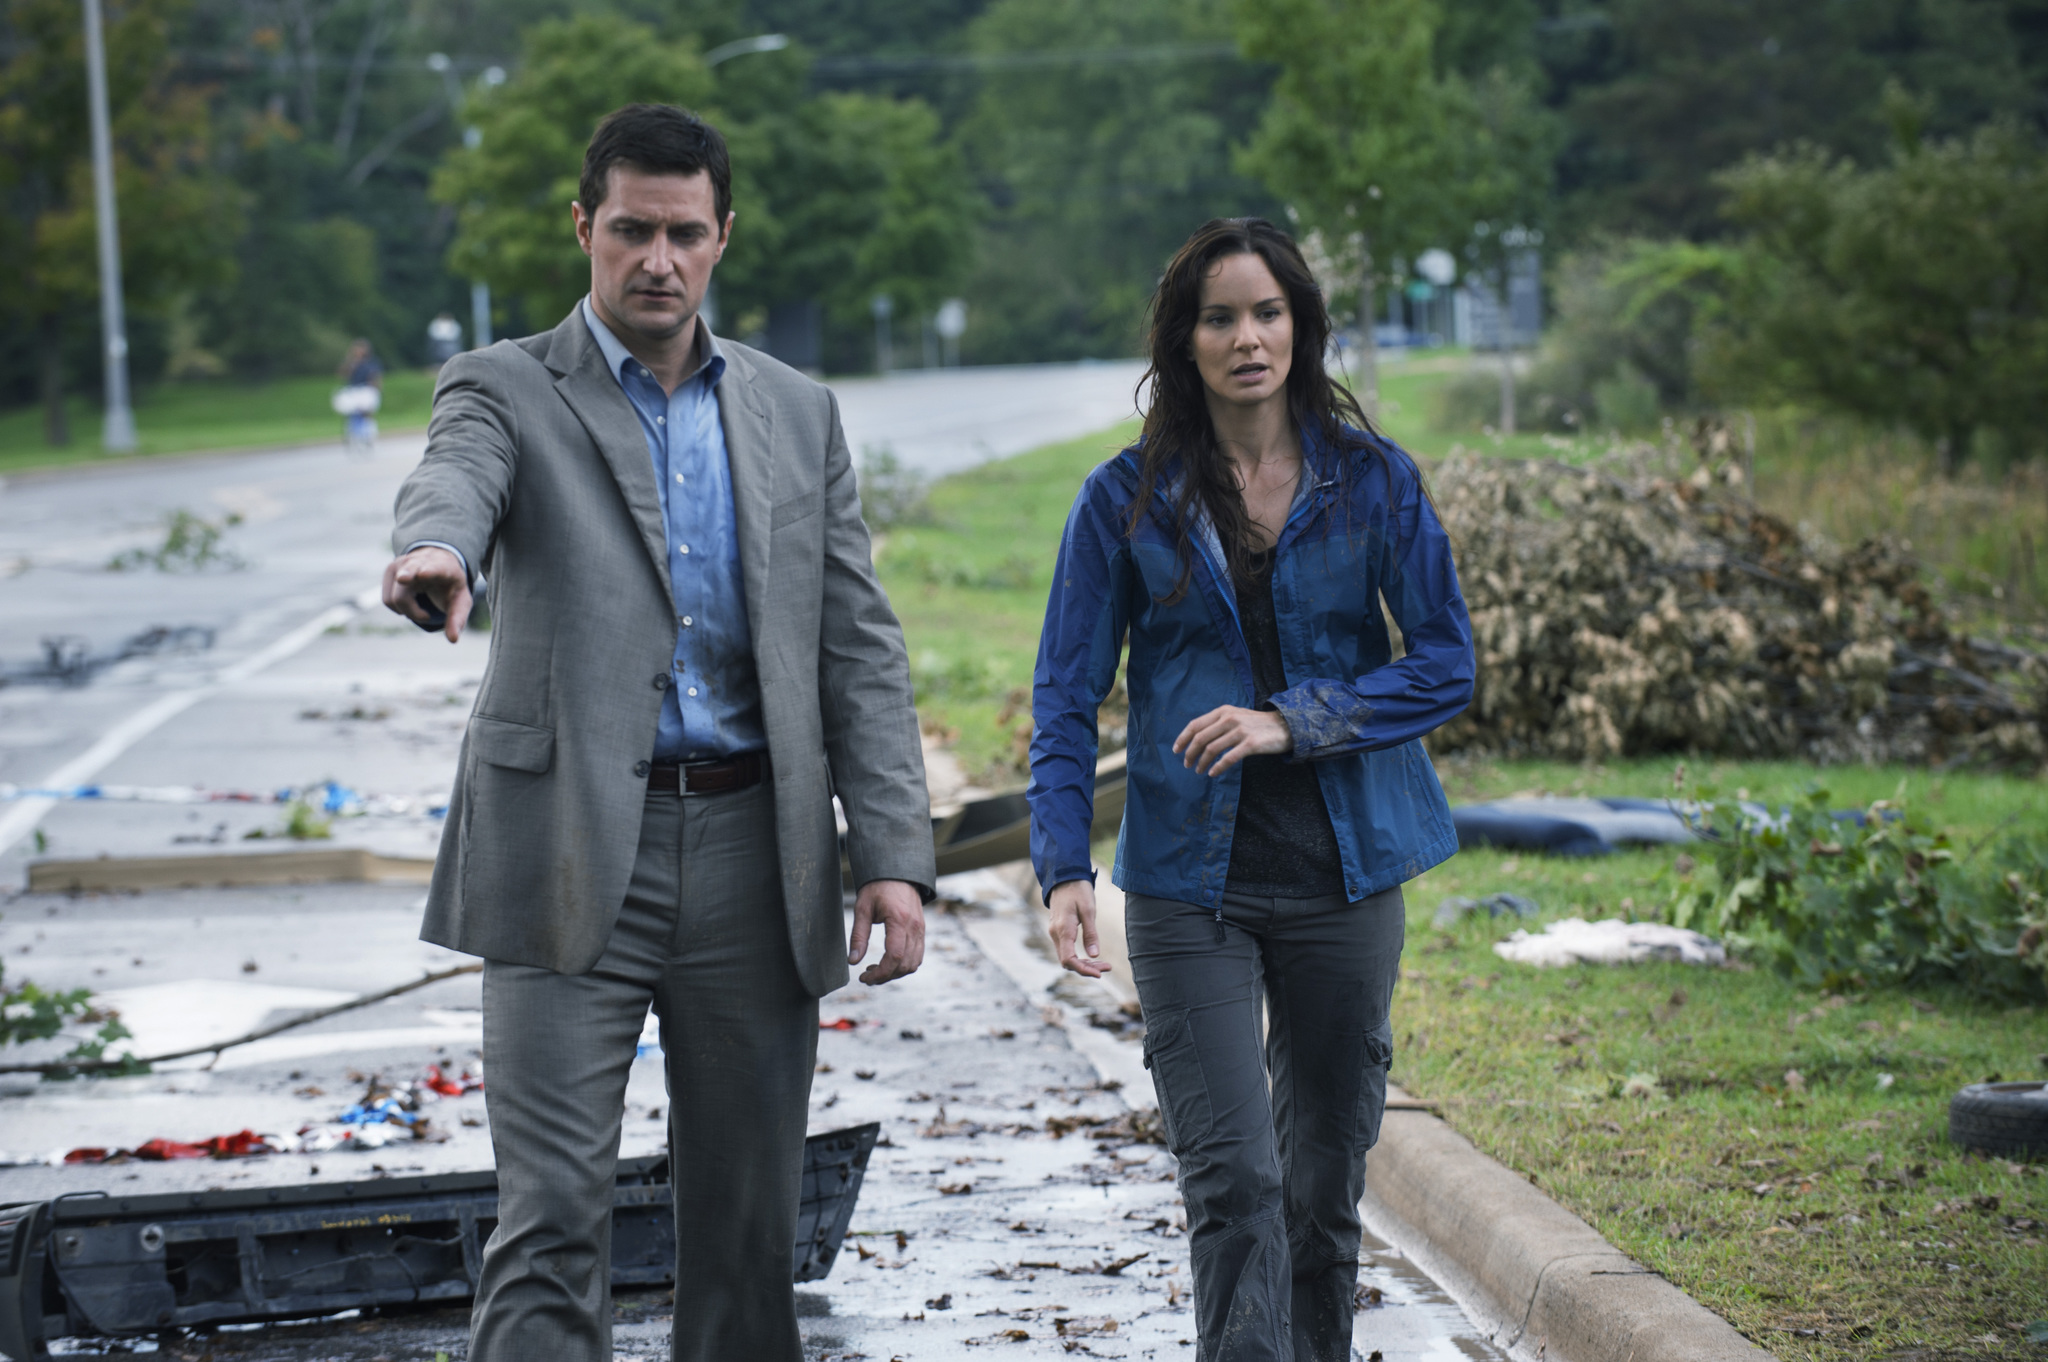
[{"x": 117, "y": 431}]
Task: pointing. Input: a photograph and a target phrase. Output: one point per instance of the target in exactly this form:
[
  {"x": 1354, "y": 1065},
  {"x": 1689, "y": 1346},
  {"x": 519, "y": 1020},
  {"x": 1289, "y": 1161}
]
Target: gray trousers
[
  {"x": 1271, "y": 1136},
  {"x": 702, "y": 937}
]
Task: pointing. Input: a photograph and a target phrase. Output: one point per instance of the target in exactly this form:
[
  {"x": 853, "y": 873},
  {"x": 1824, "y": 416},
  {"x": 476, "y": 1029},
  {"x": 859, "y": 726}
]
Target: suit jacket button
[
  {"x": 641, "y": 768},
  {"x": 661, "y": 681}
]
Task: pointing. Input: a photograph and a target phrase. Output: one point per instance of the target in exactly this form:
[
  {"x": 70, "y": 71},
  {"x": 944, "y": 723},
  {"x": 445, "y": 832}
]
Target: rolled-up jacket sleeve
[
  {"x": 1428, "y": 687},
  {"x": 1078, "y": 651}
]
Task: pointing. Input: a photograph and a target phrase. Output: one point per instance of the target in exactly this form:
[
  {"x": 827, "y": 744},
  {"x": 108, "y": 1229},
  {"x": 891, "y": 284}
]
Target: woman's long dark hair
[{"x": 1178, "y": 435}]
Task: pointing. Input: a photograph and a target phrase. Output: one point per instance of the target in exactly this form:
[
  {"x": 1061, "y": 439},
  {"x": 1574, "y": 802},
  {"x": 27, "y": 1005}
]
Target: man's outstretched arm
[{"x": 449, "y": 507}]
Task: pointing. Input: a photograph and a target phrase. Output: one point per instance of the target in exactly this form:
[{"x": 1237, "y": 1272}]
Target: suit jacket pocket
[
  {"x": 797, "y": 508},
  {"x": 516, "y": 747}
]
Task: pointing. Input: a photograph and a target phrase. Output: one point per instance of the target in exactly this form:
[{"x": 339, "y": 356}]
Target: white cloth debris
[
  {"x": 980, "y": 889},
  {"x": 1610, "y": 941}
]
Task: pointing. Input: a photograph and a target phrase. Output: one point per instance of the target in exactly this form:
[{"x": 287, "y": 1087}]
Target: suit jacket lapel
[
  {"x": 593, "y": 393},
  {"x": 750, "y": 453}
]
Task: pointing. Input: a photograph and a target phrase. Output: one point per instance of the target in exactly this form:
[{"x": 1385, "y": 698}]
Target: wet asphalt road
[{"x": 1013, "y": 1203}]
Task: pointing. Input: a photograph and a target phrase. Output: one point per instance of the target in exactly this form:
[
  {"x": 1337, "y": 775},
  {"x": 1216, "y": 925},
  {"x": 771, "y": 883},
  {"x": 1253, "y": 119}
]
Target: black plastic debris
[
  {"x": 70, "y": 661},
  {"x": 1452, "y": 911},
  {"x": 89, "y": 1264}
]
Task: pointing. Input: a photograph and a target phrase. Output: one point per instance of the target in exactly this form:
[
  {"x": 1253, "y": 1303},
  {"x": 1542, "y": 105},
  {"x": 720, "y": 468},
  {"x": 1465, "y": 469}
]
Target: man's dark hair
[{"x": 661, "y": 140}]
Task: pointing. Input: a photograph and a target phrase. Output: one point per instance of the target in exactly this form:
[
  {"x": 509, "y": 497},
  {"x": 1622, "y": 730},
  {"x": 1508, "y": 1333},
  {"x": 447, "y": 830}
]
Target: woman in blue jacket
[{"x": 1278, "y": 791}]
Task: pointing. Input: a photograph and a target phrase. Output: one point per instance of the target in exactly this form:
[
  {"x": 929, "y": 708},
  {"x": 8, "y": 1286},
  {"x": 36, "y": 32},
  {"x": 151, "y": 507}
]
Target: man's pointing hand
[{"x": 437, "y": 575}]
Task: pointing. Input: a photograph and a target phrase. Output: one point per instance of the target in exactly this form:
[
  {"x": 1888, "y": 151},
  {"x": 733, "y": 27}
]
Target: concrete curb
[
  {"x": 1538, "y": 1279},
  {"x": 321, "y": 865}
]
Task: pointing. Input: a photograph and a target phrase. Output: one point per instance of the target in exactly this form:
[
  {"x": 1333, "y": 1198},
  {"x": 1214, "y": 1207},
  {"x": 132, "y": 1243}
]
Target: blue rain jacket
[{"x": 1354, "y": 711}]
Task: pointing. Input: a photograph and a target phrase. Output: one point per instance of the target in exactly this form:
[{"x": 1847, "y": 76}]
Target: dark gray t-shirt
[{"x": 1283, "y": 846}]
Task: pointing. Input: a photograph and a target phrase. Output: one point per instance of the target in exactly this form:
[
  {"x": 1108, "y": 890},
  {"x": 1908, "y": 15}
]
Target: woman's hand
[
  {"x": 1227, "y": 735},
  {"x": 1073, "y": 913}
]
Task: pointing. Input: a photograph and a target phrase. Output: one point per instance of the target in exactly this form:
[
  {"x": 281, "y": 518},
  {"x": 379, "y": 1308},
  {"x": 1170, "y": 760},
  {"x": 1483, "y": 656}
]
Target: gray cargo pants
[
  {"x": 702, "y": 937},
  {"x": 1271, "y": 1138}
]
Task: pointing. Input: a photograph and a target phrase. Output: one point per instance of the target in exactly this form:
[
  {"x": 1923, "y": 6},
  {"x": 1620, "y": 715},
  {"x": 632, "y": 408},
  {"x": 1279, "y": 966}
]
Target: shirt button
[
  {"x": 641, "y": 768},
  {"x": 683, "y": 549},
  {"x": 661, "y": 420},
  {"x": 661, "y": 681},
  {"x": 687, "y": 621},
  {"x": 693, "y": 690},
  {"x": 679, "y": 477}
]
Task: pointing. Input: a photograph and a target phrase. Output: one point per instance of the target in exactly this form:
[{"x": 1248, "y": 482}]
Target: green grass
[
  {"x": 1820, "y": 1218},
  {"x": 174, "y": 418},
  {"x": 970, "y": 583},
  {"x": 1826, "y": 1216}
]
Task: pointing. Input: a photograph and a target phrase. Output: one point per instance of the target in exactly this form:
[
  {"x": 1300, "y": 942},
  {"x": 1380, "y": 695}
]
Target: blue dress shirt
[{"x": 712, "y": 708}]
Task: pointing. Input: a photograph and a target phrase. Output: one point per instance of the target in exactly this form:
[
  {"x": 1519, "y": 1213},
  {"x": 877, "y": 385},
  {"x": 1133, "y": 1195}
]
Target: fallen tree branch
[{"x": 130, "y": 1062}]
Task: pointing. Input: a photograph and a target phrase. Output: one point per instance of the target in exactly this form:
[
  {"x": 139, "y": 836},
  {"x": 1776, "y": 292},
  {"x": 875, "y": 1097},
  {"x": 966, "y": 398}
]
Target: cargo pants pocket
[
  {"x": 1372, "y": 1087},
  {"x": 1184, "y": 1106}
]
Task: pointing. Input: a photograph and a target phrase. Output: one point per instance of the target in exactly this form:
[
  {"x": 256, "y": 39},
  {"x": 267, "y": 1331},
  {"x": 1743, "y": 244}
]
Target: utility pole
[{"x": 117, "y": 431}]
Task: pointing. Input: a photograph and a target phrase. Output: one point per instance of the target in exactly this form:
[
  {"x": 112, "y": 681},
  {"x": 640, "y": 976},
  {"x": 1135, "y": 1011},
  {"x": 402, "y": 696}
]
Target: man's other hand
[
  {"x": 437, "y": 575},
  {"x": 900, "y": 910}
]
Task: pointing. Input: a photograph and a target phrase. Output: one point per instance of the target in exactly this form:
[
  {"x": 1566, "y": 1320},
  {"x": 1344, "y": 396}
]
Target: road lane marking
[{"x": 21, "y": 818}]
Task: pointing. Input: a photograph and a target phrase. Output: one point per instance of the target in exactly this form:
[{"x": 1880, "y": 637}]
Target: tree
[
  {"x": 1663, "y": 94},
  {"x": 511, "y": 191},
  {"x": 172, "y": 205},
  {"x": 1911, "y": 292},
  {"x": 864, "y": 199},
  {"x": 839, "y": 196},
  {"x": 307, "y": 280},
  {"x": 1373, "y": 145},
  {"x": 1100, "y": 165}
]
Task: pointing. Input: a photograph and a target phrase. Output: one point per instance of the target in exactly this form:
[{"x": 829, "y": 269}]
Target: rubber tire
[{"x": 2008, "y": 1119}]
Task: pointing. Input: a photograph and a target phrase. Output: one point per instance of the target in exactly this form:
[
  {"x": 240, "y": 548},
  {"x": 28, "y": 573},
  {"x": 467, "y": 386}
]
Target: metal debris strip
[
  {"x": 1619, "y": 609},
  {"x": 70, "y": 661},
  {"x": 90, "y": 1265}
]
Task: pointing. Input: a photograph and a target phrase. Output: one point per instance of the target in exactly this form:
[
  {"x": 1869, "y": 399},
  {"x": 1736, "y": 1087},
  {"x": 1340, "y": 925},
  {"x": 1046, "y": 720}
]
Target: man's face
[{"x": 652, "y": 246}]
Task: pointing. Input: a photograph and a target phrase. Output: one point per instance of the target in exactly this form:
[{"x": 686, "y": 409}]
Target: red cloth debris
[
  {"x": 240, "y": 1145},
  {"x": 464, "y": 1082},
  {"x": 839, "y": 1024}
]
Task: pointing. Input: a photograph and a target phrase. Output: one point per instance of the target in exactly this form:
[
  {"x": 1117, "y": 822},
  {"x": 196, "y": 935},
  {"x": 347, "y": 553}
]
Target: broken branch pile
[{"x": 1618, "y": 610}]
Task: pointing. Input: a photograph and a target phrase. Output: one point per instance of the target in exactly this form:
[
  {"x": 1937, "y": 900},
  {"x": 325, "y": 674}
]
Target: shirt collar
[{"x": 710, "y": 355}]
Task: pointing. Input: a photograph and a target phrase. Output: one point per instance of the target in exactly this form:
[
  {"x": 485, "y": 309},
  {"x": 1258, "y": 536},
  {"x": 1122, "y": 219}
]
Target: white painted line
[{"x": 21, "y": 818}]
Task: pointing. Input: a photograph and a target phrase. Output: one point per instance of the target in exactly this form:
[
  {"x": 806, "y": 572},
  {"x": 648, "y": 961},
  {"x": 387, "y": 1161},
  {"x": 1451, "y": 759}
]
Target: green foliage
[
  {"x": 1362, "y": 134},
  {"x": 306, "y": 281},
  {"x": 892, "y": 494},
  {"x": 838, "y": 196},
  {"x": 29, "y": 1012},
  {"x": 1888, "y": 902},
  {"x": 511, "y": 191},
  {"x": 1661, "y": 94},
  {"x": 1098, "y": 169},
  {"x": 302, "y": 823},
  {"x": 854, "y": 195},
  {"x": 1908, "y": 292},
  {"x": 191, "y": 543},
  {"x": 1622, "y": 346},
  {"x": 172, "y": 201}
]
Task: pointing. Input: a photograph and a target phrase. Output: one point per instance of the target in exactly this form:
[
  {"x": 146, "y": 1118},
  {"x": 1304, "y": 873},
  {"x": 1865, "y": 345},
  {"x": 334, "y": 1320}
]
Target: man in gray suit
[{"x": 690, "y": 656}]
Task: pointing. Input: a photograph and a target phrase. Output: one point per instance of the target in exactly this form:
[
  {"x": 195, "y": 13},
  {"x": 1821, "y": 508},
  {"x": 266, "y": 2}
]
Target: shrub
[
  {"x": 29, "y": 1012},
  {"x": 1868, "y": 900}
]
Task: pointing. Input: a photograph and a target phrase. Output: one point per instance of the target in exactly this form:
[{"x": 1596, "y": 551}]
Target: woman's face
[{"x": 1244, "y": 331}]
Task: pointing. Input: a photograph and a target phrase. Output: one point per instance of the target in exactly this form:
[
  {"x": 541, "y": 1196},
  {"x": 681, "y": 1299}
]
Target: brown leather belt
[{"x": 742, "y": 772}]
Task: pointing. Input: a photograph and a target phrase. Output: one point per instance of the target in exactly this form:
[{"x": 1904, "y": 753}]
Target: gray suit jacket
[{"x": 536, "y": 469}]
